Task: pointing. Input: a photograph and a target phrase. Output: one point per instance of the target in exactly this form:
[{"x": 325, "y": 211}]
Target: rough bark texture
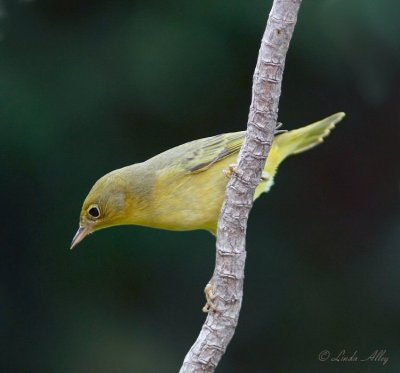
[{"x": 228, "y": 276}]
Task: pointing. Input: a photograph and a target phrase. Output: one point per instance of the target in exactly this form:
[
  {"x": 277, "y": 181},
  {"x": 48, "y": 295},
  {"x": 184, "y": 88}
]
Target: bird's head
[{"x": 105, "y": 206}]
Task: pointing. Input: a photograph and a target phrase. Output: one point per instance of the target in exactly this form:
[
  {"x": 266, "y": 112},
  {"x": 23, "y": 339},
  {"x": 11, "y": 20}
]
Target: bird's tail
[
  {"x": 304, "y": 138},
  {"x": 294, "y": 142}
]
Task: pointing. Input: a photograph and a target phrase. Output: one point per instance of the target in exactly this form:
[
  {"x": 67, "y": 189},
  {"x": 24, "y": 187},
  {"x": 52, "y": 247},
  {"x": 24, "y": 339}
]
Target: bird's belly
[{"x": 190, "y": 202}]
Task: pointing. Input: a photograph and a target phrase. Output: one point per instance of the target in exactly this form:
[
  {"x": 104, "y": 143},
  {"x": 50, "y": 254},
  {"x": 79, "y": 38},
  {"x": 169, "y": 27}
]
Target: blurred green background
[{"x": 89, "y": 86}]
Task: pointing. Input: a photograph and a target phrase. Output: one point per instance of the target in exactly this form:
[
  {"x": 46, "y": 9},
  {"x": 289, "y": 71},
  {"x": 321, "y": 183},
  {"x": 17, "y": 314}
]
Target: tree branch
[{"x": 228, "y": 276}]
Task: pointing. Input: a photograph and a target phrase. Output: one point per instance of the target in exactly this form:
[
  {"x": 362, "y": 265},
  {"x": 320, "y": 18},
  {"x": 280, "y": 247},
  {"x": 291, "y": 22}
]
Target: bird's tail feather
[
  {"x": 305, "y": 138},
  {"x": 294, "y": 142}
]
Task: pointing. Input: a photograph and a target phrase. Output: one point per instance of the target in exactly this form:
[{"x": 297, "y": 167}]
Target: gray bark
[{"x": 228, "y": 276}]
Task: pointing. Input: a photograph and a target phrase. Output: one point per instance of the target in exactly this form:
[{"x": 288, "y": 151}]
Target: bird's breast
[{"x": 188, "y": 201}]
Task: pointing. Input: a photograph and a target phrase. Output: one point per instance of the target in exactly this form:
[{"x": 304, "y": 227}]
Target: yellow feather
[{"x": 183, "y": 188}]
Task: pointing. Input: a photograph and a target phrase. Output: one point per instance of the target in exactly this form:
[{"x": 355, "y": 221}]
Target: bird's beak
[{"x": 79, "y": 236}]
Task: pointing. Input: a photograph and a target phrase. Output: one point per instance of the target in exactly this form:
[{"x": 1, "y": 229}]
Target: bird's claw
[
  {"x": 277, "y": 130},
  {"x": 230, "y": 171},
  {"x": 209, "y": 293},
  {"x": 265, "y": 176}
]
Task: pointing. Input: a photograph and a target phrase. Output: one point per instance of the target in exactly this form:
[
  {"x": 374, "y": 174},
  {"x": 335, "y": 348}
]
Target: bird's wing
[{"x": 206, "y": 152}]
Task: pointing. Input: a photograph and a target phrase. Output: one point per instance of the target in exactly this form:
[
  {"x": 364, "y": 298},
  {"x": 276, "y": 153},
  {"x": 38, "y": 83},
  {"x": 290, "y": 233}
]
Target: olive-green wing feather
[
  {"x": 198, "y": 155},
  {"x": 208, "y": 151}
]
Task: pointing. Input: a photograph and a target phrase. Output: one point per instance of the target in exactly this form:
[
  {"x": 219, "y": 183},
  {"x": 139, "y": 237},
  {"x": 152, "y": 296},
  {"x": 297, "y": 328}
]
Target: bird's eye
[{"x": 94, "y": 211}]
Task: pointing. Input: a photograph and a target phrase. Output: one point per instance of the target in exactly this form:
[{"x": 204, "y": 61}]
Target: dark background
[{"x": 90, "y": 86}]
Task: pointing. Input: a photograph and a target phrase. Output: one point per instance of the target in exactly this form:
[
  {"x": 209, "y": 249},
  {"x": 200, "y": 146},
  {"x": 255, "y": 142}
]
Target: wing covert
[{"x": 213, "y": 149}]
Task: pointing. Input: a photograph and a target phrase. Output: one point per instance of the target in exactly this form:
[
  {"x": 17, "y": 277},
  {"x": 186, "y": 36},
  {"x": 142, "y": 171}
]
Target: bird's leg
[
  {"x": 230, "y": 171},
  {"x": 209, "y": 293},
  {"x": 277, "y": 130},
  {"x": 232, "y": 167}
]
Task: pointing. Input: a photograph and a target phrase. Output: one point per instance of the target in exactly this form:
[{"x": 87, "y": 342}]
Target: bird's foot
[
  {"x": 265, "y": 176},
  {"x": 209, "y": 293},
  {"x": 230, "y": 171},
  {"x": 277, "y": 130}
]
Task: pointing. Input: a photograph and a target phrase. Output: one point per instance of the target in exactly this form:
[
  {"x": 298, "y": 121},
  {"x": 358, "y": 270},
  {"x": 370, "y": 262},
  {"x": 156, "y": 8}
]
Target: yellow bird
[{"x": 183, "y": 188}]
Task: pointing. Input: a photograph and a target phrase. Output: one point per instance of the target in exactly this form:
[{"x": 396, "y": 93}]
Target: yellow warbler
[{"x": 183, "y": 188}]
